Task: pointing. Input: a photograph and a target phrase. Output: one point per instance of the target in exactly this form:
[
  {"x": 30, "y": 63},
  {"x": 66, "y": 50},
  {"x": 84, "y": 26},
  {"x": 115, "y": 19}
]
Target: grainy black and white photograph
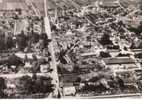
[{"x": 78, "y": 49}]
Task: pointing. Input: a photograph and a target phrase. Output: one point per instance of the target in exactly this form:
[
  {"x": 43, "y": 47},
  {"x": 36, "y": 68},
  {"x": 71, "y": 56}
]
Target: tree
[
  {"x": 31, "y": 85},
  {"x": 120, "y": 82},
  {"x": 44, "y": 85},
  {"x": 105, "y": 54},
  {"x": 2, "y": 87},
  {"x": 105, "y": 39},
  {"x": 22, "y": 41},
  {"x": 24, "y": 85}
]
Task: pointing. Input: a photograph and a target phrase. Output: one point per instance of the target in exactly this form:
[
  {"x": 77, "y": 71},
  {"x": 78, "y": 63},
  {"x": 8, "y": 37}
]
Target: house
[{"x": 69, "y": 89}]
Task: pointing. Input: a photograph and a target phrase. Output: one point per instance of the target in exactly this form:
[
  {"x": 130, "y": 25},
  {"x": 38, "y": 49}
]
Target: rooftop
[{"x": 120, "y": 60}]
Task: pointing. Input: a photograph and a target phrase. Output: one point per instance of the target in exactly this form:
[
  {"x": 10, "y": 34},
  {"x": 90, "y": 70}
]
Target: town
[{"x": 70, "y": 48}]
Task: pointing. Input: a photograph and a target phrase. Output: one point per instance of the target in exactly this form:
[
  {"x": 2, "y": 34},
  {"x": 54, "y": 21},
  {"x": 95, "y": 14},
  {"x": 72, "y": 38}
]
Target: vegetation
[{"x": 32, "y": 85}]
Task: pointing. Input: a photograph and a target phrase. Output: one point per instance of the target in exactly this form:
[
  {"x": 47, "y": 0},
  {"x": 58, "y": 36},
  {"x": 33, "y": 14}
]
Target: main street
[{"x": 53, "y": 63}]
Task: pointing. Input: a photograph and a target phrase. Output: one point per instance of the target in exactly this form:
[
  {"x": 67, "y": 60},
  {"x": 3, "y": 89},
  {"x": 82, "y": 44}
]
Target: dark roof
[
  {"x": 68, "y": 84},
  {"x": 68, "y": 78},
  {"x": 120, "y": 60}
]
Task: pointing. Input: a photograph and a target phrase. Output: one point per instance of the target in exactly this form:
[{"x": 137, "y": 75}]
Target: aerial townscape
[{"x": 70, "y": 49}]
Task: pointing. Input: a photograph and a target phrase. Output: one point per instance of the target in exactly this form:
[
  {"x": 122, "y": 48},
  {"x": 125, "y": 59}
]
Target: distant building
[
  {"x": 13, "y": 4},
  {"x": 121, "y": 64},
  {"x": 108, "y": 3}
]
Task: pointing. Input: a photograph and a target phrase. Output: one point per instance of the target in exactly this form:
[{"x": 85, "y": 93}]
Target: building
[{"x": 121, "y": 64}]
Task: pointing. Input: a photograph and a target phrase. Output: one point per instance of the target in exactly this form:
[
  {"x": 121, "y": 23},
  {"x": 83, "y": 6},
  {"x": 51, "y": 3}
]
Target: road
[
  {"x": 135, "y": 95},
  {"x": 53, "y": 63}
]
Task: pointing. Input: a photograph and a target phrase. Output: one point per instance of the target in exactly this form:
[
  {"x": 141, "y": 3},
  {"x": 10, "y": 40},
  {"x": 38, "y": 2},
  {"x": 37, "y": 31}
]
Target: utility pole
[{"x": 53, "y": 63}]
